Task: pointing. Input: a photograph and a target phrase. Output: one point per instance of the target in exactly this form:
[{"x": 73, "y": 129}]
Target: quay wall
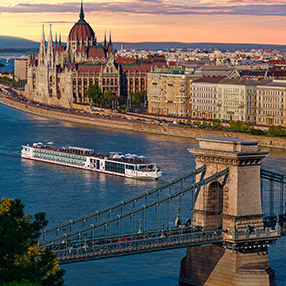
[{"x": 137, "y": 126}]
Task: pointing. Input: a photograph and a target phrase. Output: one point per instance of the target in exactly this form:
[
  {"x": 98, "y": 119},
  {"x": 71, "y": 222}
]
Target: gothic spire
[
  {"x": 60, "y": 39},
  {"x": 105, "y": 43},
  {"x": 51, "y": 36},
  {"x": 43, "y": 33},
  {"x": 81, "y": 15},
  {"x": 110, "y": 38}
]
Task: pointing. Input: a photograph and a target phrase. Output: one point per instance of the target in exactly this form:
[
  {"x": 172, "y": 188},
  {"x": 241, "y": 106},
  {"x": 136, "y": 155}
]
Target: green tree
[
  {"x": 254, "y": 131},
  {"x": 107, "y": 98},
  {"x": 239, "y": 126},
  {"x": 138, "y": 98},
  {"x": 21, "y": 259},
  {"x": 94, "y": 93},
  {"x": 276, "y": 131},
  {"x": 216, "y": 123}
]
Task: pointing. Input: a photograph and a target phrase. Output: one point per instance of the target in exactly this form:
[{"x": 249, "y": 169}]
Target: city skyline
[{"x": 228, "y": 21}]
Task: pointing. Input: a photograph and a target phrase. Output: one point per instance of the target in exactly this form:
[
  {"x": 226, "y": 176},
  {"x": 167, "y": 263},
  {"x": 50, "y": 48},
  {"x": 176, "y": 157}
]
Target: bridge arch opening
[{"x": 214, "y": 205}]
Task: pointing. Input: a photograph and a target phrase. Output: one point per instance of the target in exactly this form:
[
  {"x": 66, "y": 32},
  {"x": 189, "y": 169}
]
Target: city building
[
  {"x": 271, "y": 103},
  {"x": 61, "y": 74},
  {"x": 204, "y": 97},
  {"x": 169, "y": 93},
  {"x": 21, "y": 68},
  {"x": 236, "y": 99}
]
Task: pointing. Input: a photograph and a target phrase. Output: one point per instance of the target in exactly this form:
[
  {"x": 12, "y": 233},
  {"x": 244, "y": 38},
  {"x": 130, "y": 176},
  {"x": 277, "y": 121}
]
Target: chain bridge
[{"x": 185, "y": 212}]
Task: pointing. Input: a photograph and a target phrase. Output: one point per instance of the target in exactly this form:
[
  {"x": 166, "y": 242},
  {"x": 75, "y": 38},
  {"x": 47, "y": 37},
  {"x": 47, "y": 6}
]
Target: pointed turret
[
  {"x": 50, "y": 50},
  {"x": 81, "y": 14},
  {"x": 105, "y": 42},
  {"x": 51, "y": 36},
  {"x": 110, "y": 49},
  {"x": 42, "y": 51},
  {"x": 110, "y": 43},
  {"x": 43, "y": 34},
  {"x": 60, "y": 39},
  {"x": 56, "y": 40}
]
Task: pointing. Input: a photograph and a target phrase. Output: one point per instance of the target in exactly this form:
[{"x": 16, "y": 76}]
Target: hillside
[{"x": 7, "y": 42}]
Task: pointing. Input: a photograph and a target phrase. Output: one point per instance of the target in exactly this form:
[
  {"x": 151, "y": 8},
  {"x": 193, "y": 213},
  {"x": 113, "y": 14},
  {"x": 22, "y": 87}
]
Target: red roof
[
  {"x": 137, "y": 68},
  {"x": 125, "y": 60},
  {"x": 94, "y": 52},
  {"x": 81, "y": 31},
  {"x": 89, "y": 68},
  {"x": 81, "y": 49}
]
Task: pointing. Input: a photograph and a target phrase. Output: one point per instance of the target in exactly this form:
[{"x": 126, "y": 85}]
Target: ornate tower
[
  {"x": 81, "y": 33},
  {"x": 42, "y": 52},
  {"x": 234, "y": 205},
  {"x": 50, "y": 58}
]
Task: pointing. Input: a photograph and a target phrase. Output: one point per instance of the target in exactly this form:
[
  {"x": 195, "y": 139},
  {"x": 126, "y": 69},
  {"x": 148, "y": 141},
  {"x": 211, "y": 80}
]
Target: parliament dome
[{"x": 81, "y": 30}]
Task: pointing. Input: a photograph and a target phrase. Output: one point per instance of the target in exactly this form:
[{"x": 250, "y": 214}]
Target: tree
[
  {"x": 21, "y": 259},
  {"x": 276, "y": 131},
  {"x": 94, "y": 93},
  {"x": 138, "y": 98},
  {"x": 216, "y": 123}
]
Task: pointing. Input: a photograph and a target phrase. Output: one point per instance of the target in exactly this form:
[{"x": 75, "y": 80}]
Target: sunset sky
[{"x": 228, "y": 21}]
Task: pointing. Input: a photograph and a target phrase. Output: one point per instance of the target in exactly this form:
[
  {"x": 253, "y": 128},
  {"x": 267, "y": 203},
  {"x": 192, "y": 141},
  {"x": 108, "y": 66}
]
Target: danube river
[{"x": 64, "y": 193}]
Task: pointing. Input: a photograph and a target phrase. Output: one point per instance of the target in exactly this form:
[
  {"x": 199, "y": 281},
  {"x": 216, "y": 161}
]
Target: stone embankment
[{"x": 138, "y": 126}]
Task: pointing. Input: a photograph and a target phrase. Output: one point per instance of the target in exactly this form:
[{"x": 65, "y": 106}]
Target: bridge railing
[{"x": 133, "y": 246}]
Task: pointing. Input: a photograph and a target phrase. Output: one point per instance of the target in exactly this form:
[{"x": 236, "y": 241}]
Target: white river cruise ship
[{"x": 115, "y": 163}]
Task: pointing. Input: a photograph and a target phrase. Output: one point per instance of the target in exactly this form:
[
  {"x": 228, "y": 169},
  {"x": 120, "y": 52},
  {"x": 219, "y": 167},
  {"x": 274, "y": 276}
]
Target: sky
[{"x": 217, "y": 21}]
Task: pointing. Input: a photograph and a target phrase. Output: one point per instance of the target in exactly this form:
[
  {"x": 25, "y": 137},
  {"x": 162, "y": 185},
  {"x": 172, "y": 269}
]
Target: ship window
[
  {"x": 114, "y": 167},
  {"x": 130, "y": 167}
]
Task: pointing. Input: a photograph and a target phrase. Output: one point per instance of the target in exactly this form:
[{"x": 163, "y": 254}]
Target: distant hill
[
  {"x": 7, "y": 42},
  {"x": 185, "y": 46}
]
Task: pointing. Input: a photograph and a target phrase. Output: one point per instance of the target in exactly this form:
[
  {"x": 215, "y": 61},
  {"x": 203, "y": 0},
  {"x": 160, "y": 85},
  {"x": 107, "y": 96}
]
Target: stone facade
[
  {"x": 237, "y": 100},
  {"x": 232, "y": 203},
  {"x": 240, "y": 193},
  {"x": 271, "y": 107},
  {"x": 21, "y": 68},
  {"x": 204, "y": 97},
  {"x": 169, "y": 94}
]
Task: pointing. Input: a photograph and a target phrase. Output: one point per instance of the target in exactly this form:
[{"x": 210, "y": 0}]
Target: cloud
[{"x": 161, "y": 7}]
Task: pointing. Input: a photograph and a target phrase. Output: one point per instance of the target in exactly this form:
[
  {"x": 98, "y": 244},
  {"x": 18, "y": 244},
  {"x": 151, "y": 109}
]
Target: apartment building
[
  {"x": 204, "y": 97},
  {"x": 21, "y": 68},
  {"x": 169, "y": 93},
  {"x": 271, "y": 109},
  {"x": 236, "y": 99}
]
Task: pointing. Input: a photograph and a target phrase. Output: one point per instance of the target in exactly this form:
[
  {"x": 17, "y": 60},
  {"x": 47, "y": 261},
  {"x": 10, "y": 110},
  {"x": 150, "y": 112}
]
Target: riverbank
[{"x": 138, "y": 126}]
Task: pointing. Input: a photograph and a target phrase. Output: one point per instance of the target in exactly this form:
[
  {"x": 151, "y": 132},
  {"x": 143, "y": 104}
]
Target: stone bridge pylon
[{"x": 232, "y": 203}]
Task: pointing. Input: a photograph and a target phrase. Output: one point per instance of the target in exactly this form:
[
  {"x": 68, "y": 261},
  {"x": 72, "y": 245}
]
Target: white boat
[{"x": 115, "y": 163}]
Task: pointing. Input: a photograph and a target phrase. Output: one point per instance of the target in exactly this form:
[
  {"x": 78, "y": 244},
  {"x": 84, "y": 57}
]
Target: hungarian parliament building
[{"x": 61, "y": 74}]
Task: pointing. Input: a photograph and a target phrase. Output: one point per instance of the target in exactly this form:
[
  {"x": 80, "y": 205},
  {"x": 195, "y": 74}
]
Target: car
[{"x": 125, "y": 239}]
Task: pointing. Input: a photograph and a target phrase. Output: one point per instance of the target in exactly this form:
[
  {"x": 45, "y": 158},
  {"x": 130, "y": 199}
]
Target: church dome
[{"x": 81, "y": 30}]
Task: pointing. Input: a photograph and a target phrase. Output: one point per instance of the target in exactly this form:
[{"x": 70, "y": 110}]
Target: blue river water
[
  {"x": 65, "y": 193},
  {"x": 8, "y": 67}
]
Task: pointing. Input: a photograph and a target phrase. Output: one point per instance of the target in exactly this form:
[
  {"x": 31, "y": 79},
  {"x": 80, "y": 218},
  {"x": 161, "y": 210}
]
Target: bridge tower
[{"x": 234, "y": 205}]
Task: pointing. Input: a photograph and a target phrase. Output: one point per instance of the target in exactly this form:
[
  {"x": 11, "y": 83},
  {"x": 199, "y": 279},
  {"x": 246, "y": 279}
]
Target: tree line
[{"x": 110, "y": 100}]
